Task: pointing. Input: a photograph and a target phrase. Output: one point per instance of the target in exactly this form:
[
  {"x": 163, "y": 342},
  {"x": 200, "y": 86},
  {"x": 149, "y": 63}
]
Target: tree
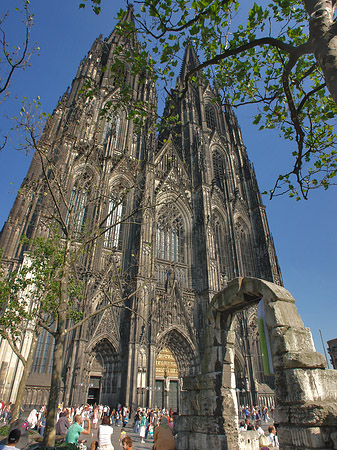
[{"x": 280, "y": 55}]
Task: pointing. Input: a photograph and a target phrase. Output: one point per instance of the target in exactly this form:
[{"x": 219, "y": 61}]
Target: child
[
  {"x": 127, "y": 443},
  {"x": 122, "y": 436}
]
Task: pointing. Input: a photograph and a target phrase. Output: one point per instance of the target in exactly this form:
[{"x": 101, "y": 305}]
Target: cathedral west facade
[{"x": 183, "y": 216}]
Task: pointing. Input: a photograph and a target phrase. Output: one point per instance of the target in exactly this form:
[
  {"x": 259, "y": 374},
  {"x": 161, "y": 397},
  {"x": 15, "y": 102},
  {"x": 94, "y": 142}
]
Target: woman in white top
[
  {"x": 105, "y": 432},
  {"x": 32, "y": 419}
]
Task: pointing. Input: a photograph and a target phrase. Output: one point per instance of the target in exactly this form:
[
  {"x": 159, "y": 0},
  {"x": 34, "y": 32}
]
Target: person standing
[
  {"x": 163, "y": 436},
  {"x": 272, "y": 438},
  {"x": 63, "y": 423},
  {"x": 105, "y": 431},
  {"x": 76, "y": 429},
  {"x": 32, "y": 419},
  {"x": 95, "y": 417},
  {"x": 137, "y": 421},
  {"x": 142, "y": 428}
]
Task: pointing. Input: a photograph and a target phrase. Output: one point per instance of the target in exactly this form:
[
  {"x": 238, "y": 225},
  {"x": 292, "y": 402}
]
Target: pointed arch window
[
  {"x": 244, "y": 249},
  {"x": 117, "y": 128},
  {"x": 219, "y": 168},
  {"x": 219, "y": 242},
  {"x": 107, "y": 129},
  {"x": 171, "y": 238},
  {"x": 111, "y": 128},
  {"x": 113, "y": 237},
  {"x": 210, "y": 117},
  {"x": 78, "y": 205},
  {"x": 43, "y": 357},
  {"x": 223, "y": 247}
]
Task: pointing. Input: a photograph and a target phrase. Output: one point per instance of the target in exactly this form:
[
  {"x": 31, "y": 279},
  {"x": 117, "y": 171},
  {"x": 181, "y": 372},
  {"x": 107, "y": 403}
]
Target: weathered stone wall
[{"x": 306, "y": 406}]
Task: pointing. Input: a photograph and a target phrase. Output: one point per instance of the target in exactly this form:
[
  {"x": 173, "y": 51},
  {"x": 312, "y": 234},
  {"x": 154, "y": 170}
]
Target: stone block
[
  {"x": 282, "y": 314},
  {"x": 200, "y": 424},
  {"x": 305, "y": 386},
  {"x": 285, "y": 339},
  {"x": 182, "y": 441},
  {"x": 223, "y": 297},
  {"x": 301, "y": 438},
  {"x": 308, "y": 360},
  {"x": 294, "y": 360},
  {"x": 199, "y": 441},
  {"x": 308, "y": 414},
  {"x": 204, "y": 400},
  {"x": 202, "y": 381},
  {"x": 248, "y": 440},
  {"x": 268, "y": 290}
]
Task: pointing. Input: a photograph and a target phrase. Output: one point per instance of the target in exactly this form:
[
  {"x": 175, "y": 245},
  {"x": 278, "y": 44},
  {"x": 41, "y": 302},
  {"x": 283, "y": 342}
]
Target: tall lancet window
[
  {"x": 117, "y": 128},
  {"x": 78, "y": 205},
  {"x": 171, "y": 236},
  {"x": 244, "y": 248},
  {"x": 111, "y": 131},
  {"x": 210, "y": 116},
  {"x": 219, "y": 242},
  {"x": 107, "y": 129},
  {"x": 113, "y": 237},
  {"x": 219, "y": 168},
  {"x": 223, "y": 247},
  {"x": 43, "y": 357}
]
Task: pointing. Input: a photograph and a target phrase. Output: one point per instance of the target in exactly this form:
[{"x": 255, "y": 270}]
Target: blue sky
[{"x": 304, "y": 232}]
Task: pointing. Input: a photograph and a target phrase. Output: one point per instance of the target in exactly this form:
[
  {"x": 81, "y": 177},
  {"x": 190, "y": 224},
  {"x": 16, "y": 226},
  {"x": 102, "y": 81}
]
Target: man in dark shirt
[{"x": 63, "y": 424}]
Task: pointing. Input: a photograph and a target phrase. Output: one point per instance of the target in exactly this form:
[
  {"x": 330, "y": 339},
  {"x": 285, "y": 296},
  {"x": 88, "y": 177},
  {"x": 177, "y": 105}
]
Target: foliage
[
  {"x": 4, "y": 431},
  {"x": 29, "y": 296},
  {"x": 266, "y": 55},
  {"x": 62, "y": 446}
]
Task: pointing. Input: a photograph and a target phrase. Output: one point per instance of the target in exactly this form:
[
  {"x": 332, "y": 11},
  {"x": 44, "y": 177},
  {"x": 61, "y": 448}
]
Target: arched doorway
[
  {"x": 167, "y": 380},
  {"x": 95, "y": 380},
  {"x": 103, "y": 373},
  {"x": 176, "y": 358}
]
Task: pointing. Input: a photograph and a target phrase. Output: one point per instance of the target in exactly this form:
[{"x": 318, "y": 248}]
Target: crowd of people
[
  {"x": 155, "y": 425},
  {"x": 257, "y": 413},
  {"x": 5, "y": 411},
  {"x": 151, "y": 425},
  {"x": 251, "y": 419}
]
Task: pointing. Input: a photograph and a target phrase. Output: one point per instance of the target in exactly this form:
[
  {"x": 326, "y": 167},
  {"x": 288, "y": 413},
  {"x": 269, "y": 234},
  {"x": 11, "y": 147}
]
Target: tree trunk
[
  {"x": 26, "y": 371},
  {"x": 323, "y": 35},
  {"x": 50, "y": 430}
]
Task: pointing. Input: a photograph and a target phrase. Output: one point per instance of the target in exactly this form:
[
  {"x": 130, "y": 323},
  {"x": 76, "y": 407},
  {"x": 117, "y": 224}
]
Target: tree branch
[
  {"x": 13, "y": 347},
  {"x": 296, "y": 52},
  {"x": 18, "y": 63}
]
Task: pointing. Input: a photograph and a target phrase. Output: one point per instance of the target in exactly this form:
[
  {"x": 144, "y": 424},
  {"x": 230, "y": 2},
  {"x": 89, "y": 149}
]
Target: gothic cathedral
[{"x": 183, "y": 216}]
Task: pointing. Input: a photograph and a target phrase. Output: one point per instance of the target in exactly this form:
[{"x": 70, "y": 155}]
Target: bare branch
[{"x": 22, "y": 60}]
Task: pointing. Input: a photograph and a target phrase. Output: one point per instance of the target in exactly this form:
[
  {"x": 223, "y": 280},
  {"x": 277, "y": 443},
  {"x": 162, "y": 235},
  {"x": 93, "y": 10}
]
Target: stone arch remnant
[{"x": 306, "y": 404}]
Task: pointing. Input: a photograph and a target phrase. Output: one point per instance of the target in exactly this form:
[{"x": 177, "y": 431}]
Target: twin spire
[{"x": 129, "y": 27}]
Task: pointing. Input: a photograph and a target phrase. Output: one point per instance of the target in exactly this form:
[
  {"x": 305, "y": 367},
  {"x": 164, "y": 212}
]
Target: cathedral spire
[
  {"x": 125, "y": 28},
  {"x": 191, "y": 60}
]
